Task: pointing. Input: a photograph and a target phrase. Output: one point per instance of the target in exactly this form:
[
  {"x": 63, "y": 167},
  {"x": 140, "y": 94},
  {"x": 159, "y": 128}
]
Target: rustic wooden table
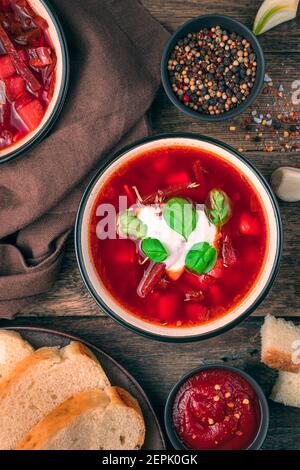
[{"x": 157, "y": 366}]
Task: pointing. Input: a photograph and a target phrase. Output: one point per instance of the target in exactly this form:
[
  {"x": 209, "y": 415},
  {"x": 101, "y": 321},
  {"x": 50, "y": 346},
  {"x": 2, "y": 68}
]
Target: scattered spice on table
[
  {"x": 213, "y": 70},
  {"x": 273, "y": 123}
]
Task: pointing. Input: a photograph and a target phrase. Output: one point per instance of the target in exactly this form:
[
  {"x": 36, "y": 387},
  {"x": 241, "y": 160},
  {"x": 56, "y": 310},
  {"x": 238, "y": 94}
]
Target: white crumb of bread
[
  {"x": 287, "y": 389},
  {"x": 280, "y": 344},
  {"x": 13, "y": 349}
]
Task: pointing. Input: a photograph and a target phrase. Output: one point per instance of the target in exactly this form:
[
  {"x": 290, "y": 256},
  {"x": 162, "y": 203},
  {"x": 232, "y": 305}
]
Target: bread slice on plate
[
  {"x": 13, "y": 349},
  {"x": 287, "y": 389},
  {"x": 280, "y": 343},
  {"x": 92, "y": 420},
  {"x": 41, "y": 382}
]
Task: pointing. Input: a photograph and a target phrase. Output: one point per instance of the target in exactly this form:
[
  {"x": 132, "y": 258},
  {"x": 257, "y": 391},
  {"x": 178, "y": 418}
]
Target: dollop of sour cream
[{"x": 175, "y": 244}]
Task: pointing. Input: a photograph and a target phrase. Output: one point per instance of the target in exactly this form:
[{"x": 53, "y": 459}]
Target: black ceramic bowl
[
  {"x": 264, "y": 407},
  {"x": 119, "y": 313},
  {"x": 232, "y": 25},
  {"x": 45, "y": 10}
]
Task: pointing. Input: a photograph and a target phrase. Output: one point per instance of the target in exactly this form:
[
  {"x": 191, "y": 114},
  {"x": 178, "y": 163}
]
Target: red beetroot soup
[
  {"x": 191, "y": 278},
  {"x": 216, "y": 409},
  {"x": 27, "y": 70}
]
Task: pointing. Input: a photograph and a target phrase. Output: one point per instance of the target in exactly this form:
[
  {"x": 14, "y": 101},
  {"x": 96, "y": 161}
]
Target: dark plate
[{"x": 40, "y": 337}]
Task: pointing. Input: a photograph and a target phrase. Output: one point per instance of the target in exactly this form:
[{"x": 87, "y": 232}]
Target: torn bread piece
[
  {"x": 92, "y": 420},
  {"x": 13, "y": 349},
  {"x": 41, "y": 382},
  {"x": 287, "y": 389},
  {"x": 280, "y": 344}
]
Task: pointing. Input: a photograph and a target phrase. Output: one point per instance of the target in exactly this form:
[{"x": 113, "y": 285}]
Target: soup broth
[{"x": 175, "y": 296}]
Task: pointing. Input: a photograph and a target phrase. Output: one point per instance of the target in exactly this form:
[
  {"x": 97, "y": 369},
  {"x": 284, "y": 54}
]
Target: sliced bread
[
  {"x": 287, "y": 389},
  {"x": 92, "y": 420},
  {"x": 40, "y": 383},
  {"x": 13, "y": 349},
  {"x": 280, "y": 342}
]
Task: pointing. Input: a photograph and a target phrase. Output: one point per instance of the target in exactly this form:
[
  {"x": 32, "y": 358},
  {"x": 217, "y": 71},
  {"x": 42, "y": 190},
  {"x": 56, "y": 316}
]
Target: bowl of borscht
[
  {"x": 216, "y": 407},
  {"x": 178, "y": 237},
  {"x": 34, "y": 72}
]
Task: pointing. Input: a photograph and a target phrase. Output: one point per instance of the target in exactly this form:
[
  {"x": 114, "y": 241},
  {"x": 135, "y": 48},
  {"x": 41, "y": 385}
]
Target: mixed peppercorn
[{"x": 212, "y": 71}]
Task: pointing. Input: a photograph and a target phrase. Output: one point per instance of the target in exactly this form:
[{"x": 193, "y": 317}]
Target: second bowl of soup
[
  {"x": 178, "y": 237},
  {"x": 34, "y": 74}
]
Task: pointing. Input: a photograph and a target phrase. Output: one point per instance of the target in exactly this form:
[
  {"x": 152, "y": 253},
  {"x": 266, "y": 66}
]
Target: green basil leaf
[
  {"x": 201, "y": 258},
  {"x": 218, "y": 207},
  {"x": 181, "y": 216},
  {"x": 129, "y": 225},
  {"x": 154, "y": 249}
]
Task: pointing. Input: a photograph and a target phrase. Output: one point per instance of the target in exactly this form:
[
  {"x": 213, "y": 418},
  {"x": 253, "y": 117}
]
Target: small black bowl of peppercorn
[{"x": 213, "y": 68}]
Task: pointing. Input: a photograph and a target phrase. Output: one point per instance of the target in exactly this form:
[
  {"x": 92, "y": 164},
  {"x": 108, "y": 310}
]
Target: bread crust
[
  {"x": 75, "y": 406},
  {"x": 276, "y": 359},
  {"x": 61, "y": 416},
  {"x": 126, "y": 399},
  {"x": 45, "y": 354},
  {"x": 41, "y": 354},
  {"x": 78, "y": 348}
]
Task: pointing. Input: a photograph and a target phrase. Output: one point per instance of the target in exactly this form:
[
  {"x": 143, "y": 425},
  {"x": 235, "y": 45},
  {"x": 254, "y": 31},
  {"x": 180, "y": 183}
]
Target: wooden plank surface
[
  {"x": 157, "y": 366},
  {"x": 172, "y": 13}
]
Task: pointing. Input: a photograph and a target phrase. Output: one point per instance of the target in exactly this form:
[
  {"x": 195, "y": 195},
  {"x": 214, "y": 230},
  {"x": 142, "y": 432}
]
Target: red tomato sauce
[
  {"x": 216, "y": 409},
  {"x": 191, "y": 300},
  {"x": 27, "y": 70}
]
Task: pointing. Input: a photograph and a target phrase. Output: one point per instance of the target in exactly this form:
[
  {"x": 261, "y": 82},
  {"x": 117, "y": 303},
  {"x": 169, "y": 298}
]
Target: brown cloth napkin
[{"x": 115, "y": 49}]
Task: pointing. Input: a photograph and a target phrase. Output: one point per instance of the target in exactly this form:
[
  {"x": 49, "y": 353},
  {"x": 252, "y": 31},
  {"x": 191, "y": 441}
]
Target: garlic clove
[
  {"x": 285, "y": 182},
  {"x": 273, "y": 13}
]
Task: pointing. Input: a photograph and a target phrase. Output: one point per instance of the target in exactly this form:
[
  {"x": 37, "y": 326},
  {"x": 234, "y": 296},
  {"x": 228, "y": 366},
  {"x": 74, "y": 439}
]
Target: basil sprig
[
  {"x": 201, "y": 258},
  {"x": 180, "y": 215},
  {"x": 129, "y": 225},
  {"x": 154, "y": 250},
  {"x": 218, "y": 207}
]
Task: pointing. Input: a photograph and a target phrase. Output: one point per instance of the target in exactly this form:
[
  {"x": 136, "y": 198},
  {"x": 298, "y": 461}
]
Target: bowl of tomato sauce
[
  {"x": 178, "y": 237},
  {"x": 34, "y": 73},
  {"x": 217, "y": 408}
]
